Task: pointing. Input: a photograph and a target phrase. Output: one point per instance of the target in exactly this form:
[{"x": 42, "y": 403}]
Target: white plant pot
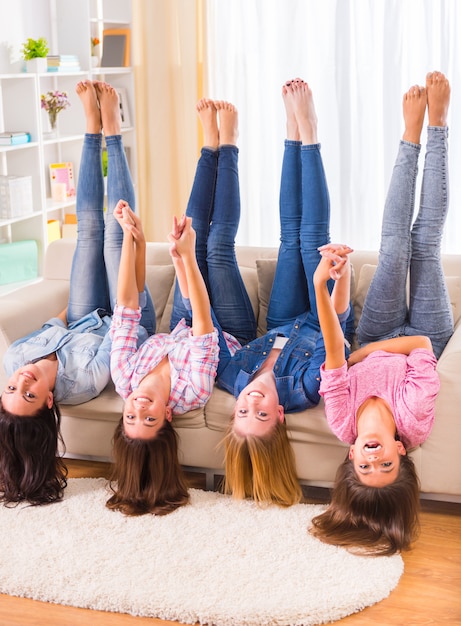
[{"x": 39, "y": 65}]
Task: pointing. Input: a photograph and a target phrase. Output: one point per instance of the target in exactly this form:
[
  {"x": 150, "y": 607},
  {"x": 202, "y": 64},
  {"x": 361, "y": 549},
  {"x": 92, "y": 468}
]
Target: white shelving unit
[{"x": 68, "y": 26}]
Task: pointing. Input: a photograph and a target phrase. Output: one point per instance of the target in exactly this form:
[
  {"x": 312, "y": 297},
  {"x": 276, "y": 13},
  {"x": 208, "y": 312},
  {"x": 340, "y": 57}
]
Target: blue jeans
[
  {"x": 94, "y": 273},
  {"x": 214, "y": 206},
  {"x": 304, "y": 226},
  {"x": 416, "y": 250}
]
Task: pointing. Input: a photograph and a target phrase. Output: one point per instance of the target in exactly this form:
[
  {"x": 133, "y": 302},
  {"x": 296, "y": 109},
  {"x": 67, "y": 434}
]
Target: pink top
[{"x": 409, "y": 384}]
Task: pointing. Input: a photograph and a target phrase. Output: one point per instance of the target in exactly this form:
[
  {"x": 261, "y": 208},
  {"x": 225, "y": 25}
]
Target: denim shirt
[
  {"x": 82, "y": 350},
  {"x": 297, "y": 369}
]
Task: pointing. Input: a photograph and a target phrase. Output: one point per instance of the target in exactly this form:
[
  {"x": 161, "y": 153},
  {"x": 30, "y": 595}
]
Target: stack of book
[
  {"x": 63, "y": 63},
  {"x": 14, "y": 139}
]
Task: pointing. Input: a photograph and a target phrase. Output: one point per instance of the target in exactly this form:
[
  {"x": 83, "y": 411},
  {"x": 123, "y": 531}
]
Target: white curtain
[
  {"x": 359, "y": 56},
  {"x": 167, "y": 80}
]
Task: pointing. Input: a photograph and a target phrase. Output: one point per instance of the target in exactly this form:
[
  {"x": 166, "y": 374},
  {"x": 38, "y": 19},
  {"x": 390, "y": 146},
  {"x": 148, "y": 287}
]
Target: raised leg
[
  {"x": 88, "y": 281},
  {"x": 430, "y": 309},
  {"x": 385, "y": 309}
]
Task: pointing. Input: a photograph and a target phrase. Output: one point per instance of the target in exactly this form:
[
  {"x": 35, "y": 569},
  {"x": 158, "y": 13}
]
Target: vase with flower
[
  {"x": 54, "y": 102},
  {"x": 95, "y": 54}
]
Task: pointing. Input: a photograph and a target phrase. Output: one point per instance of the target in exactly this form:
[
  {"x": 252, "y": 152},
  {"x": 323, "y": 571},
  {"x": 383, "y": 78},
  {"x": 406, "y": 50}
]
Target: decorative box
[
  {"x": 15, "y": 196},
  {"x": 18, "y": 261},
  {"x": 54, "y": 230}
]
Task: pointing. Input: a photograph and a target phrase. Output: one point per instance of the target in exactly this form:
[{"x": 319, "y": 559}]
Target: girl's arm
[
  {"x": 397, "y": 345},
  {"x": 178, "y": 262},
  {"x": 184, "y": 246},
  {"x": 334, "y": 263},
  {"x": 341, "y": 294},
  {"x": 140, "y": 262},
  {"x": 63, "y": 316},
  {"x": 133, "y": 257}
]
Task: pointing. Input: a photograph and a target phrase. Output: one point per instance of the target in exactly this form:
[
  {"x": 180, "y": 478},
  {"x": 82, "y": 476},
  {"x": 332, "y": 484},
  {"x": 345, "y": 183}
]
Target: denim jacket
[
  {"x": 297, "y": 369},
  {"x": 82, "y": 350}
]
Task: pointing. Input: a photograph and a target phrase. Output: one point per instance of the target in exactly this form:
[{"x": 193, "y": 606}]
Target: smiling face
[
  {"x": 144, "y": 415},
  {"x": 376, "y": 459},
  {"x": 376, "y": 453},
  {"x": 26, "y": 391},
  {"x": 257, "y": 408}
]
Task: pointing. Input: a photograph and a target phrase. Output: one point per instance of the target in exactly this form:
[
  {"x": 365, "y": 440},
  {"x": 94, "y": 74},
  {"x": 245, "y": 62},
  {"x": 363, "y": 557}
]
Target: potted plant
[{"x": 34, "y": 52}]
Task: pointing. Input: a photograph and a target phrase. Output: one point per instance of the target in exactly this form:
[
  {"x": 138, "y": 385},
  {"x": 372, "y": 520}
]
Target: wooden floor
[{"x": 429, "y": 592}]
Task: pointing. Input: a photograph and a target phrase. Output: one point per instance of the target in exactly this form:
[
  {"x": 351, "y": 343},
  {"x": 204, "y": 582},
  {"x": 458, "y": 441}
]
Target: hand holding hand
[
  {"x": 175, "y": 234},
  {"x": 121, "y": 213},
  {"x": 334, "y": 261},
  {"x": 182, "y": 238},
  {"x": 129, "y": 221}
]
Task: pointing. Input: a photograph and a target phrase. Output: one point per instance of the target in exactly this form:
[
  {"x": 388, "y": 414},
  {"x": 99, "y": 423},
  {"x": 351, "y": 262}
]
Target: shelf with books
[
  {"x": 69, "y": 27},
  {"x": 14, "y": 138}
]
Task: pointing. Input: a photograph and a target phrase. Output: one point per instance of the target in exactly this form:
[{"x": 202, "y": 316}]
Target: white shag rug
[{"x": 217, "y": 561}]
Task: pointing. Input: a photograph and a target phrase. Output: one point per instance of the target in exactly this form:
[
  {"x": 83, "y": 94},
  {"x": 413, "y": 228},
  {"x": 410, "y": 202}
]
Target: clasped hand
[
  {"x": 128, "y": 220},
  {"x": 334, "y": 262},
  {"x": 182, "y": 238}
]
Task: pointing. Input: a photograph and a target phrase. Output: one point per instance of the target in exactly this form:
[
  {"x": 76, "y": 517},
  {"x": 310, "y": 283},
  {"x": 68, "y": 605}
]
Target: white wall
[{"x": 20, "y": 19}]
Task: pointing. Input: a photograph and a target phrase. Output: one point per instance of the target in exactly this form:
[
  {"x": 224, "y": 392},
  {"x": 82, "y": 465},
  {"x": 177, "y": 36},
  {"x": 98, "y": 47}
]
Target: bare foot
[
  {"x": 292, "y": 124},
  {"x": 414, "y": 110},
  {"x": 228, "y": 123},
  {"x": 87, "y": 94},
  {"x": 438, "y": 98},
  {"x": 110, "y": 108},
  {"x": 299, "y": 99},
  {"x": 208, "y": 116}
]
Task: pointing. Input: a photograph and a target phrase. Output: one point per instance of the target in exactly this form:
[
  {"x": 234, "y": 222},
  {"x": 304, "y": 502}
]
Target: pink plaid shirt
[{"x": 193, "y": 360}]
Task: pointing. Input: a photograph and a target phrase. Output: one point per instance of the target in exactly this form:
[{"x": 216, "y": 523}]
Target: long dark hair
[
  {"x": 371, "y": 520},
  {"x": 146, "y": 474},
  {"x": 31, "y": 469}
]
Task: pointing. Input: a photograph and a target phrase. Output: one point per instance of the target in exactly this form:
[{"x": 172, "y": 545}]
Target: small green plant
[
  {"x": 105, "y": 162},
  {"x": 35, "y": 48}
]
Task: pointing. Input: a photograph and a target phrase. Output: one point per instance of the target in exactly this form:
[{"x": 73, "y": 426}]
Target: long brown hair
[
  {"x": 371, "y": 520},
  {"x": 30, "y": 468},
  {"x": 146, "y": 474},
  {"x": 262, "y": 468}
]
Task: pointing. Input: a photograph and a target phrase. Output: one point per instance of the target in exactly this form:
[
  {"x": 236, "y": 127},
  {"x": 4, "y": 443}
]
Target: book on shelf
[
  {"x": 63, "y": 63},
  {"x": 14, "y": 139},
  {"x": 63, "y": 173},
  {"x": 61, "y": 59},
  {"x": 63, "y": 69}
]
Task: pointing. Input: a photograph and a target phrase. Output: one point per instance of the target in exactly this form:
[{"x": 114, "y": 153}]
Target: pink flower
[{"x": 54, "y": 101}]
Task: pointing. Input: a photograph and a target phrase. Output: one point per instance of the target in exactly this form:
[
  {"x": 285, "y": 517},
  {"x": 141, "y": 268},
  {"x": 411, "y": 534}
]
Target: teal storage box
[{"x": 18, "y": 261}]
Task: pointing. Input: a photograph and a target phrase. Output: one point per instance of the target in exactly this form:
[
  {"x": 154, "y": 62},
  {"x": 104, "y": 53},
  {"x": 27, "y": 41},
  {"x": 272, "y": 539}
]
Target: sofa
[{"x": 88, "y": 428}]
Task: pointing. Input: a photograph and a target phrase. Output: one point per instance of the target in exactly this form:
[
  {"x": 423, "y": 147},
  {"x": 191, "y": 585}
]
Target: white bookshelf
[{"x": 68, "y": 26}]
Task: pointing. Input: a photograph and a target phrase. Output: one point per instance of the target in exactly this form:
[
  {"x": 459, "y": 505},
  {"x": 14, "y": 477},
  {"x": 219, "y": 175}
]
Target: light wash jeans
[
  {"x": 214, "y": 206},
  {"x": 94, "y": 273},
  {"x": 416, "y": 250}
]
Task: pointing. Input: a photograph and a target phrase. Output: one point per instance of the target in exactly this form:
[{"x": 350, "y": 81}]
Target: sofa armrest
[
  {"x": 440, "y": 470},
  {"x": 450, "y": 360}
]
